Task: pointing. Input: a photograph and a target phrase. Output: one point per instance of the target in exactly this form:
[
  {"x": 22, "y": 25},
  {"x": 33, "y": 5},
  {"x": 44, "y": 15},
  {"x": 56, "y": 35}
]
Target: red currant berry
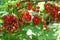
[{"x": 18, "y": 4}]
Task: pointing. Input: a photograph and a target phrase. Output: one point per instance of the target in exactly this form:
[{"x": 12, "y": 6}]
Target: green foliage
[{"x": 20, "y": 34}]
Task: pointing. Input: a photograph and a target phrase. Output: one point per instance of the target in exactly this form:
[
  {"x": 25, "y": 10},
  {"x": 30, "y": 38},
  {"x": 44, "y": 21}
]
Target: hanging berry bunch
[
  {"x": 25, "y": 15},
  {"x": 47, "y": 7},
  {"x": 36, "y": 9},
  {"x": 10, "y": 22},
  {"x": 36, "y": 19},
  {"x": 29, "y": 5},
  {"x": 45, "y": 25},
  {"x": 53, "y": 10}
]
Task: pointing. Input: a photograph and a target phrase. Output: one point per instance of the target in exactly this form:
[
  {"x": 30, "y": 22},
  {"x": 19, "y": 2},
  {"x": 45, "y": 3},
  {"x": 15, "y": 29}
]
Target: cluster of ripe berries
[
  {"x": 36, "y": 9},
  {"x": 24, "y": 15},
  {"x": 29, "y": 6},
  {"x": 53, "y": 10},
  {"x": 10, "y": 22}
]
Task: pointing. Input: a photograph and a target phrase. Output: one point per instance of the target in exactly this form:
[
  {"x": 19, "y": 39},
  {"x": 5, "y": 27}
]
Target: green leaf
[
  {"x": 1, "y": 20},
  {"x": 34, "y": 37},
  {"x": 41, "y": 25}
]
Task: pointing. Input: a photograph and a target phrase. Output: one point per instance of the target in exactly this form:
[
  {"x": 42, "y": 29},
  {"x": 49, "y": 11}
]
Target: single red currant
[{"x": 18, "y": 4}]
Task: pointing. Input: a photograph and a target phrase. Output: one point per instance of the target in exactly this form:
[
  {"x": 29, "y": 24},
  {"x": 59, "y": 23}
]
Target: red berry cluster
[
  {"x": 22, "y": 13},
  {"x": 20, "y": 21},
  {"x": 45, "y": 25},
  {"x": 29, "y": 5},
  {"x": 18, "y": 4},
  {"x": 47, "y": 7},
  {"x": 36, "y": 19},
  {"x": 36, "y": 9},
  {"x": 10, "y": 22},
  {"x": 53, "y": 9},
  {"x": 26, "y": 15}
]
